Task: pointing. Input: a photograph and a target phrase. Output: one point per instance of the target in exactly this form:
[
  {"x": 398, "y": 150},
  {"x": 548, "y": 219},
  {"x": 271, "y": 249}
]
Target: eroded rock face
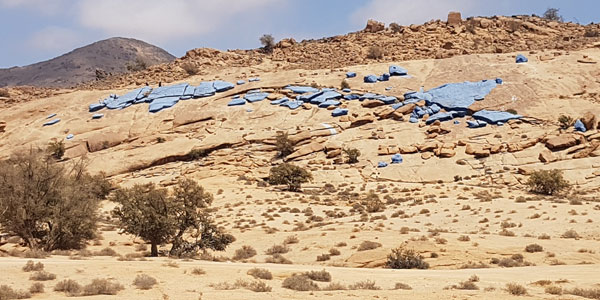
[
  {"x": 374, "y": 26},
  {"x": 561, "y": 142},
  {"x": 589, "y": 120},
  {"x": 454, "y": 18},
  {"x": 105, "y": 140}
]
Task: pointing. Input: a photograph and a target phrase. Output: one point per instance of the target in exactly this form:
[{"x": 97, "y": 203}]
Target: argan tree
[
  {"x": 268, "y": 43},
  {"x": 47, "y": 204},
  {"x": 547, "y": 182},
  {"x": 180, "y": 217},
  {"x": 552, "y": 15},
  {"x": 290, "y": 175},
  {"x": 283, "y": 144}
]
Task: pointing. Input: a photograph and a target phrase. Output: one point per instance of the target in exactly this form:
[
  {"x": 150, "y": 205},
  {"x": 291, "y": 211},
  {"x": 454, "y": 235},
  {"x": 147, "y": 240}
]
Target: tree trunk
[{"x": 154, "y": 250}]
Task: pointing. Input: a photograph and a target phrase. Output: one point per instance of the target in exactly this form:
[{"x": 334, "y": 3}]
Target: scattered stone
[
  {"x": 561, "y": 142},
  {"x": 454, "y": 18},
  {"x": 546, "y": 156},
  {"x": 589, "y": 120},
  {"x": 374, "y": 26}
]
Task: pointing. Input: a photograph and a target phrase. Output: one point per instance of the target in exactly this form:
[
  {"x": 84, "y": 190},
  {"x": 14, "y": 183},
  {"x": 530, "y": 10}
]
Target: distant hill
[{"x": 80, "y": 65}]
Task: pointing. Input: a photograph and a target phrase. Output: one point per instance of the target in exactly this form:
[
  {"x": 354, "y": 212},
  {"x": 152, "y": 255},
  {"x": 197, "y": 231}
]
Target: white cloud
[
  {"x": 406, "y": 12},
  {"x": 55, "y": 39},
  {"x": 159, "y": 20},
  {"x": 47, "y": 7}
]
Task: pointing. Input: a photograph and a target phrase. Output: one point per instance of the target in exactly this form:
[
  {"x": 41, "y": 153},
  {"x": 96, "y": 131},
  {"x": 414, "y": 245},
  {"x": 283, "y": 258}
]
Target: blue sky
[{"x": 36, "y": 30}]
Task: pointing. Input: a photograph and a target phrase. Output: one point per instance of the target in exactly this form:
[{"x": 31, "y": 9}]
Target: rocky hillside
[
  {"x": 99, "y": 59},
  {"x": 436, "y": 39}
]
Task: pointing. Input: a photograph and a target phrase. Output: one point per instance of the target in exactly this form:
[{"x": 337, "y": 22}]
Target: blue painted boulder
[
  {"x": 96, "y": 107},
  {"x": 50, "y": 123},
  {"x": 255, "y": 97},
  {"x": 495, "y": 117},
  {"x": 370, "y": 79},
  {"x": 521, "y": 59},
  {"x": 397, "y": 71},
  {"x": 222, "y": 86},
  {"x": 350, "y": 74},
  {"x": 339, "y": 112},
  {"x": 382, "y": 164},
  {"x": 236, "y": 102},
  {"x": 579, "y": 126},
  {"x": 301, "y": 89},
  {"x": 397, "y": 159}
]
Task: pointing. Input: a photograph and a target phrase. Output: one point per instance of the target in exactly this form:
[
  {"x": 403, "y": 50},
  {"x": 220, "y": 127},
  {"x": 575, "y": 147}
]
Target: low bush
[
  {"x": 299, "y": 283},
  {"x": 8, "y": 293},
  {"x": 547, "y": 182},
  {"x": 364, "y": 285},
  {"x": 278, "y": 259},
  {"x": 352, "y": 154},
  {"x": 375, "y": 52},
  {"x": 531, "y": 248},
  {"x": 69, "y": 287},
  {"x": 516, "y": 289},
  {"x": 102, "y": 287},
  {"x": 144, "y": 282},
  {"x": 322, "y": 275},
  {"x": 290, "y": 175},
  {"x": 244, "y": 253},
  {"x": 30, "y": 266},
  {"x": 368, "y": 245},
  {"x": 42, "y": 276},
  {"x": 402, "y": 258},
  {"x": 402, "y": 286},
  {"x": 260, "y": 273},
  {"x": 35, "y": 288},
  {"x": 277, "y": 249}
]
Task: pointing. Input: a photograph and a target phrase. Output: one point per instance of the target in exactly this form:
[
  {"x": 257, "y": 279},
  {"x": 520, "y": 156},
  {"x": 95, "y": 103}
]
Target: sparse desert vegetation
[{"x": 315, "y": 168}]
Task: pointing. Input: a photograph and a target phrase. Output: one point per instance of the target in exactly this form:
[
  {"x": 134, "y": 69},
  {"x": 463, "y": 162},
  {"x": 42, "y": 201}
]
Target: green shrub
[
  {"x": 283, "y": 144},
  {"x": 565, "y": 121},
  {"x": 268, "y": 43},
  {"x": 352, "y": 154},
  {"x": 56, "y": 149},
  {"x": 402, "y": 258},
  {"x": 547, "y": 182},
  {"x": 290, "y": 175},
  {"x": 551, "y": 14},
  {"x": 57, "y": 203}
]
